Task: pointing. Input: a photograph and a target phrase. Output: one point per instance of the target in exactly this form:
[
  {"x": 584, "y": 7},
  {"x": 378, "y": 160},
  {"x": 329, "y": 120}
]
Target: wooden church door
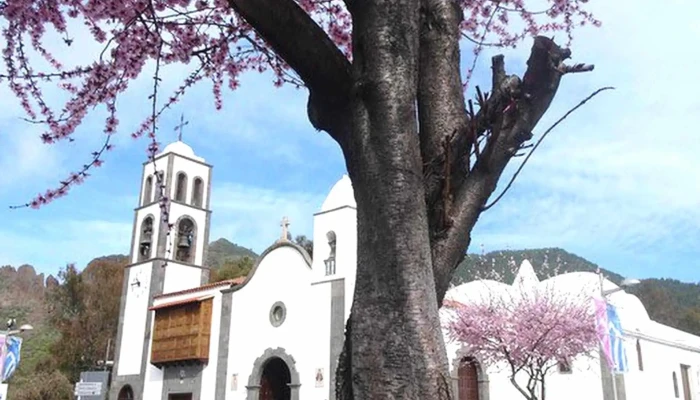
[
  {"x": 468, "y": 381},
  {"x": 265, "y": 389}
]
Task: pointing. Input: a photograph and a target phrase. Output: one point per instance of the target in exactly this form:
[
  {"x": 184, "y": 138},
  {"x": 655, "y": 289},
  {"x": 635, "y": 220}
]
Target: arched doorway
[
  {"x": 468, "y": 379},
  {"x": 126, "y": 393},
  {"x": 274, "y": 377},
  {"x": 275, "y": 380}
]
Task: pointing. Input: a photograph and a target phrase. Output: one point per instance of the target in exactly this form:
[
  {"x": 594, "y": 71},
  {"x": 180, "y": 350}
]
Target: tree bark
[{"x": 397, "y": 348}]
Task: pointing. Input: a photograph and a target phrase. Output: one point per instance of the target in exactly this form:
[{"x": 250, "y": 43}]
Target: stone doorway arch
[
  {"x": 274, "y": 364},
  {"x": 470, "y": 380}
]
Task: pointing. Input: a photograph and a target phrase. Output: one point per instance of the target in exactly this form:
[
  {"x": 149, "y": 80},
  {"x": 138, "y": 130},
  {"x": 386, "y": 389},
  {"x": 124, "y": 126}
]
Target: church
[{"x": 276, "y": 334}]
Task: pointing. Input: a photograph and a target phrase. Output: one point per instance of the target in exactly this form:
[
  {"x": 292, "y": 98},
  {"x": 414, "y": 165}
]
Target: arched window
[
  {"x": 675, "y": 385},
  {"x": 146, "y": 239},
  {"x": 126, "y": 393},
  {"x": 198, "y": 192},
  {"x": 185, "y": 241},
  {"x": 639, "y": 356},
  {"x": 330, "y": 261},
  {"x": 147, "y": 191},
  {"x": 181, "y": 187}
]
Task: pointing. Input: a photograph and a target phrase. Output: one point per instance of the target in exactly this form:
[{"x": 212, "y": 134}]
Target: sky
[{"x": 617, "y": 183}]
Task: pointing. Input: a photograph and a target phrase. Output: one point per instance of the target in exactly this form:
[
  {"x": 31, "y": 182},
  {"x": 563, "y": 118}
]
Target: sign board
[
  {"x": 88, "y": 388},
  {"x": 3, "y": 391},
  {"x": 93, "y": 385}
]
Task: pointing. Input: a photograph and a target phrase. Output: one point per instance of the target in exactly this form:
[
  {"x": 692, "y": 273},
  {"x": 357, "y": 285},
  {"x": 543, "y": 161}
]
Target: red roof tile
[{"x": 228, "y": 282}]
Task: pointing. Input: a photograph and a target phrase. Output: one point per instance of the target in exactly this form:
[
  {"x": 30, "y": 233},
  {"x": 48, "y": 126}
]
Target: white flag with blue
[
  {"x": 617, "y": 348},
  {"x": 13, "y": 345}
]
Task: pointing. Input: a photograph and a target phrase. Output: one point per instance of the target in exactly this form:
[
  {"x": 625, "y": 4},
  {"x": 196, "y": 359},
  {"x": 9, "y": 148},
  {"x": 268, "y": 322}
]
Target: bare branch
[
  {"x": 567, "y": 69},
  {"x": 515, "y": 175}
]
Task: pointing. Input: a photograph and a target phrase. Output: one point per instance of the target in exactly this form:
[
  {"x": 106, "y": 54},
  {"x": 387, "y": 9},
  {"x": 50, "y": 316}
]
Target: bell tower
[{"x": 167, "y": 254}]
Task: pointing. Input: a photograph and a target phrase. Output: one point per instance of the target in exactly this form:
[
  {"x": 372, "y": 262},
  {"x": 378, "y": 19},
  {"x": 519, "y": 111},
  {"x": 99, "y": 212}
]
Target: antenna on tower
[{"x": 179, "y": 127}]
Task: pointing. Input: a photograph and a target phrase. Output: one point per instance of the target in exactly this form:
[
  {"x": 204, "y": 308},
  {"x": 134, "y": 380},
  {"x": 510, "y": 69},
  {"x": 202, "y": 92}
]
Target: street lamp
[{"x": 11, "y": 323}]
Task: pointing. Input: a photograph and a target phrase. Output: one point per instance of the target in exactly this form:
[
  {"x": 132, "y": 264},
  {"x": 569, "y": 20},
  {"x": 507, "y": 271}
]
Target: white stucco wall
[
  {"x": 134, "y": 325},
  {"x": 181, "y": 277},
  {"x": 153, "y": 382},
  {"x": 281, "y": 276}
]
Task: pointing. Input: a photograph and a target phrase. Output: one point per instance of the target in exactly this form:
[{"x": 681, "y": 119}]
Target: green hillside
[{"x": 221, "y": 251}]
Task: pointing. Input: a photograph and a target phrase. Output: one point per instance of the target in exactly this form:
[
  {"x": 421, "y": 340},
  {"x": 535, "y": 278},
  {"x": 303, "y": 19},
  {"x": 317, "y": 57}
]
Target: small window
[
  {"x": 181, "y": 187},
  {"x": 564, "y": 366},
  {"x": 147, "y": 191},
  {"x": 330, "y": 261},
  {"x": 278, "y": 313},
  {"x": 197, "y": 192},
  {"x": 675, "y": 385},
  {"x": 640, "y": 361}
]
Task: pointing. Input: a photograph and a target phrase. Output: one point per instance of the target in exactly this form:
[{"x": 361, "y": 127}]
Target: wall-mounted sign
[
  {"x": 319, "y": 377},
  {"x": 234, "y": 382}
]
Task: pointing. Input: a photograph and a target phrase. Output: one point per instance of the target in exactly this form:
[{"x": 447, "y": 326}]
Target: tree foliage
[
  {"x": 84, "y": 309},
  {"x": 232, "y": 269},
  {"x": 529, "y": 330}
]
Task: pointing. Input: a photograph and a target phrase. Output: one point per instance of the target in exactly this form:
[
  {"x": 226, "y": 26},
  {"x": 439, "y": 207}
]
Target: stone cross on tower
[
  {"x": 179, "y": 127},
  {"x": 285, "y": 229}
]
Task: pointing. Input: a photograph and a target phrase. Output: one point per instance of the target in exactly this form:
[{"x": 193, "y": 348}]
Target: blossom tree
[
  {"x": 527, "y": 332},
  {"x": 385, "y": 81}
]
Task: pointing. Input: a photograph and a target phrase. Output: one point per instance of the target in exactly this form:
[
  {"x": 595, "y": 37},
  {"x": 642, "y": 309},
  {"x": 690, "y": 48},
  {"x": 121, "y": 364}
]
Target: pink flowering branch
[{"x": 531, "y": 332}]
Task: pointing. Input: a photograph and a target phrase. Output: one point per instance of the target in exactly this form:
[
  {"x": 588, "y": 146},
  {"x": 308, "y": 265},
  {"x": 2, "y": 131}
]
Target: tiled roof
[
  {"x": 179, "y": 302},
  {"x": 228, "y": 282}
]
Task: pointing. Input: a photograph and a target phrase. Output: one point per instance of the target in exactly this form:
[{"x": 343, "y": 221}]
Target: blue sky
[{"x": 617, "y": 183}]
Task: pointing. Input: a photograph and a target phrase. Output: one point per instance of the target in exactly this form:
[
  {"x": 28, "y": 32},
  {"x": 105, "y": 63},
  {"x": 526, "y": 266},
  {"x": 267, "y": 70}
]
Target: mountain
[{"x": 222, "y": 250}]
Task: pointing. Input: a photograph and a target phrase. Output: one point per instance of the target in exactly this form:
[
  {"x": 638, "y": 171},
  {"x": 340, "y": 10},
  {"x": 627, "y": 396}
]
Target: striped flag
[
  {"x": 13, "y": 347},
  {"x": 617, "y": 347},
  {"x": 601, "y": 318}
]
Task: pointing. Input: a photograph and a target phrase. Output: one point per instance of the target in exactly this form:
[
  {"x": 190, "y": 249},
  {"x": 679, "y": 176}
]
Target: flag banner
[
  {"x": 13, "y": 345},
  {"x": 617, "y": 347},
  {"x": 601, "y": 319},
  {"x": 2, "y": 353}
]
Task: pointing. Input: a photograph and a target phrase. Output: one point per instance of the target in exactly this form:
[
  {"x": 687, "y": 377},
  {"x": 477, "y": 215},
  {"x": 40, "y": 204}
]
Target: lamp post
[{"x": 627, "y": 282}]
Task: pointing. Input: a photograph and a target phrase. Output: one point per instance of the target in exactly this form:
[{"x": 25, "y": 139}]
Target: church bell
[
  {"x": 146, "y": 240},
  {"x": 183, "y": 242}
]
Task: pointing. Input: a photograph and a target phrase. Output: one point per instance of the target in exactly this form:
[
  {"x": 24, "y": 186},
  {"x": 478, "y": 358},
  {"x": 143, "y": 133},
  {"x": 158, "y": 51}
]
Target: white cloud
[{"x": 251, "y": 216}]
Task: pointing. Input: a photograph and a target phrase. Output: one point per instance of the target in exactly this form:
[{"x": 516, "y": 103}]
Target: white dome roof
[
  {"x": 181, "y": 149},
  {"x": 342, "y": 194}
]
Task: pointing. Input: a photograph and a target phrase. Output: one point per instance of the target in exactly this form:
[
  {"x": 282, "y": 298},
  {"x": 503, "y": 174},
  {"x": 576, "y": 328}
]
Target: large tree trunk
[
  {"x": 397, "y": 346},
  {"x": 421, "y": 176}
]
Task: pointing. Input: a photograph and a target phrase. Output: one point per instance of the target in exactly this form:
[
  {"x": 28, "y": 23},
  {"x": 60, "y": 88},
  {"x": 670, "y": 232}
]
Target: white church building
[{"x": 277, "y": 333}]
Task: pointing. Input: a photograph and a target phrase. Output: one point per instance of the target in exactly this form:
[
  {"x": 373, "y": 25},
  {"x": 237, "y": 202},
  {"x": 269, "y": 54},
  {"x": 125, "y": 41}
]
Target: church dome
[
  {"x": 181, "y": 149},
  {"x": 340, "y": 195}
]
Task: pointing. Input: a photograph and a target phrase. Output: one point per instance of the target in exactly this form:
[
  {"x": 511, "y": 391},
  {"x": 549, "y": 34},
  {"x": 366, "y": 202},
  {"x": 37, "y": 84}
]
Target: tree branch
[
  {"x": 522, "y": 165},
  {"x": 308, "y": 50},
  {"x": 441, "y": 110},
  {"x": 510, "y": 113}
]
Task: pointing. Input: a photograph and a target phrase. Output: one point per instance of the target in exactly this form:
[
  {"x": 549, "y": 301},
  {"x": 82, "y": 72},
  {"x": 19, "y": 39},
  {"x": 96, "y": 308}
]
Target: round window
[{"x": 278, "y": 313}]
